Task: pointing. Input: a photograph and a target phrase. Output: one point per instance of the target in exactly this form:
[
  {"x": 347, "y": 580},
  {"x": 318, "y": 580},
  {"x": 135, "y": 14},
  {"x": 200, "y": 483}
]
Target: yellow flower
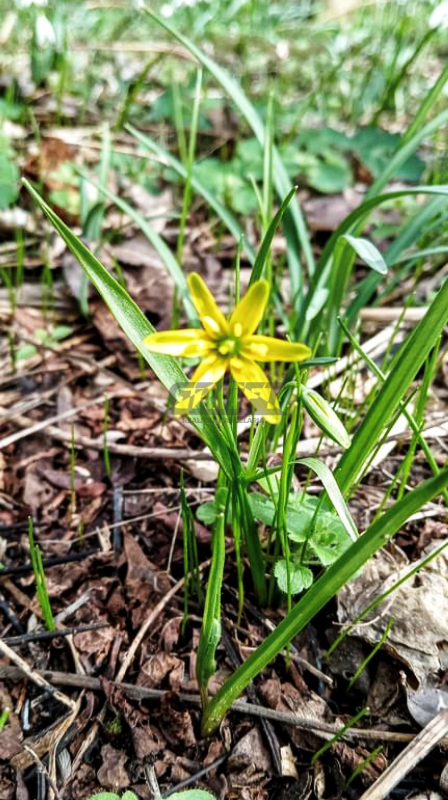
[{"x": 228, "y": 344}]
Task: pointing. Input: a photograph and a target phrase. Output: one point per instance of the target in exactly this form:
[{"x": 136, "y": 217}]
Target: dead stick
[
  {"x": 35, "y": 676},
  {"x": 415, "y": 752},
  {"x": 240, "y": 707}
]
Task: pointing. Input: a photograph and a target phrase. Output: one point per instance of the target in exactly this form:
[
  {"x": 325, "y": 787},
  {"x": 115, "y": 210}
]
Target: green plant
[
  {"x": 113, "y": 796},
  {"x": 239, "y": 477},
  {"x": 9, "y": 174},
  {"x": 4, "y": 716},
  {"x": 40, "y": 580}
]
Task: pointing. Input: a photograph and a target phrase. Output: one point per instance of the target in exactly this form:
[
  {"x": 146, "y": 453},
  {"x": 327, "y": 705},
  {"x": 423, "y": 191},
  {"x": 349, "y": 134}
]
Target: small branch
[
  {"x": 34, "y": 676},
  {"x": 239, "y": 707},
  {"x": 415, "y": 752},
  {"x": 16, "y": 641}
]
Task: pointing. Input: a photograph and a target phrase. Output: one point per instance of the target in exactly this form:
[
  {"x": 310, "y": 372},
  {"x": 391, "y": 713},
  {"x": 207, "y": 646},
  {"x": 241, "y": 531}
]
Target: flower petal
[
  {"x": 205, "y": 304},
  {"x": 255, "y": 384},
  {"x": 250, "y": 310},
  {"x": 204, "y": 378},
  {"x": 189, "y": 343},
  {"x": 266, "y": 348}
]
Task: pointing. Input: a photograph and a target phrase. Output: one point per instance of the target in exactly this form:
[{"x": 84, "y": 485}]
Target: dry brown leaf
[
  {"x": 142, "y": 579},
  {"x": 95, "y": 645},
  {"x": 251, "y": 752},
  {"x": 176, "y": 723},
  {"x": 419, "y": 608},
  {"x": 112, "y": 774},
  {"x": 155, "y": 670}
]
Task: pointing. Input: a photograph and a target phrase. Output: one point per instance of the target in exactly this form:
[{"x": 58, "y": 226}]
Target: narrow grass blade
[
  {"x": 407, "y": 148},
  {"x": 157, "y": 242},
  {"x": 223, "y": 213},
  {"x": 351, "y": 223},
  {"x": 411, "y": 356},
  {"x": 136, "y": 327},
  {"x": 265, "y": 246},
  {"x": 409, "y": 235},
  {"x": 359, "y": 214},
  {"x": 233, "y": 89},
  {"x": 429, "y": 100},
  {"x": 211, "y": 622},
  {"x": 400, "y": 74},
  {"x": 376, "y": 536},
  {"x": 40, "y": 580}
]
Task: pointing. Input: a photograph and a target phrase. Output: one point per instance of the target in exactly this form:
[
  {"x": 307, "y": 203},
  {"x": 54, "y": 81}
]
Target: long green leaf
[
  {"x": 265, "y": 246},
  {"x": 281, "y": 179},
  {"x": 411, "y": 357},
  {"x": 223, "y": 213},
  {"x": 136, "y": 327},
  {"x": 405, "y": 150},
  {"x": 334, "y": 493},
  {"x": 429, "y": 101},
  {"x": 318, "y": 596},
  {"x": 157, "y": 242},
  {"x": 211, "y": 621},
  {"x": 409, "y": 235},
  {"x": 351, "y": 223}
]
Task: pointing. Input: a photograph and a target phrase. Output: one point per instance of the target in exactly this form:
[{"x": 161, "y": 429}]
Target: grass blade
[
  {"x": 263, "y": 252},
  {"x": 376, "y": 536},
  {"x": 136, "y": 327},
  {"x": 407, "y": 148},
  {"x": 281, "y": 179},
  {"x": 223, "y": 213},
  {"x": 411, "y": 356},
  {"x": 334, "y": 493},
  {"x": 352, "y": 223},
  {"x": 157, "y": 242}
]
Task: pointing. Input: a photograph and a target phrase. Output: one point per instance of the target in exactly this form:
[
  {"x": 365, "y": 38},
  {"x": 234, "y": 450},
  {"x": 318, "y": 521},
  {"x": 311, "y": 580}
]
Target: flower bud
[{"x": 325, "y": 418}]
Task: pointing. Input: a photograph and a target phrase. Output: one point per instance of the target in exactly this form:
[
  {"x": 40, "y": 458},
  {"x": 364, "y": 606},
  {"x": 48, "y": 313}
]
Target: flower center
[{"x": 229, "y": 346}]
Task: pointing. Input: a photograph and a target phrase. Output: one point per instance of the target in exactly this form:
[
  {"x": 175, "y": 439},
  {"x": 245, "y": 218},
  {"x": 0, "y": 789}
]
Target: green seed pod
[{"x": 325, "y": 418}]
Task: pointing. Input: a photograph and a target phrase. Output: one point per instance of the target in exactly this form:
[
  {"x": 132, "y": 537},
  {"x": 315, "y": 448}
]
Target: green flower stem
[
  {"x": 211, "y": 623},
  {"x": 257, "y": 445},
  {"x": 241, "y": 507},
  {"x": 318, "y": 596}
]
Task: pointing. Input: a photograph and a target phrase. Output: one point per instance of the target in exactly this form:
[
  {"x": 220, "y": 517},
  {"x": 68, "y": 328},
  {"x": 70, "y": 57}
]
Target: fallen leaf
[
  {"x": 154, "y": 671},
  {"x": 112, "y": 774},
  {"x": 419, "y": 608},
  {"x": 142, "y": 579},
  {"x": 252, "y": 752}
]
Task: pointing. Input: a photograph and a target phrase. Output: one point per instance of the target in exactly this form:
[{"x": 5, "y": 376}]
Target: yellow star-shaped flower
[{"x": 228, "y": 344}]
